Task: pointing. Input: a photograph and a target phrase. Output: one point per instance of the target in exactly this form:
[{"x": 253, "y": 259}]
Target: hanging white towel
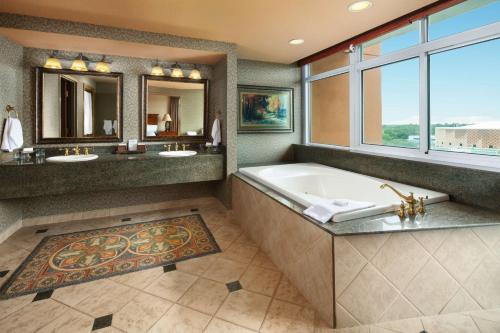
[
  {"x": 216, "y": 133},
  {"x": 87, "y": 113},
  {"x": 12, "y": 135},
  {"x": 5, "y": 136},
  {"x": 324, "y": 212},
  {"x": 108, "y": 127}
]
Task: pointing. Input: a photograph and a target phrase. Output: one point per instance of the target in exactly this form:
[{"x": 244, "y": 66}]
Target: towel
[
  {"x": 216, "y": 132},
  {"x": 12, "y": 135},
  {"x": 108, "y": 127},
  {"x": 115, "y": 126},
  {"x": 324, "y": 212}
]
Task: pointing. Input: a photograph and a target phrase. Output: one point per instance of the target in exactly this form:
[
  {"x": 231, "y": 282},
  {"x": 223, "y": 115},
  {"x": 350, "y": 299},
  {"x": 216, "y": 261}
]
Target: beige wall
[{"x": 330, "y": 104}]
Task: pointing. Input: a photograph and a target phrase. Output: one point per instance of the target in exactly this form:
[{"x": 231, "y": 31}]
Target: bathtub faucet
[{"x": 409, "y": 199}]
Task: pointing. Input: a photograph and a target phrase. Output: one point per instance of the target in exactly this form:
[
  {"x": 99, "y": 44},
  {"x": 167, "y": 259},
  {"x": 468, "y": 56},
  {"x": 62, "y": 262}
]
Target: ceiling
[
  {"x": 62, "y": 42},
  {"x": 260, "y": 28}
]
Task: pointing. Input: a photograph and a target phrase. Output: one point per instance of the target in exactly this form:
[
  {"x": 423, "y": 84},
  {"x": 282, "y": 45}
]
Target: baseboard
[
  {"x": 10, "y": 230},
  {"x": 116, "y": 211}
]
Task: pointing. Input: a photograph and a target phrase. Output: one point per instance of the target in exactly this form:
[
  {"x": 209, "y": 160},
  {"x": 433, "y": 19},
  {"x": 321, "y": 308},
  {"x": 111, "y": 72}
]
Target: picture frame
[{"x": 264, "y": 109}]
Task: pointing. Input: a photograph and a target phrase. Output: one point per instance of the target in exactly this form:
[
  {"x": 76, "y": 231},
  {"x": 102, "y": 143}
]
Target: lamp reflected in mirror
[{"x": 168, "y": 120}]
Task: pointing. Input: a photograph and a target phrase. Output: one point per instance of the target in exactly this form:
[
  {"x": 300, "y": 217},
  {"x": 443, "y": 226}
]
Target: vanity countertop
[
  {"x": 108, "y": 172},
  {"x": 442, "y": 215}
]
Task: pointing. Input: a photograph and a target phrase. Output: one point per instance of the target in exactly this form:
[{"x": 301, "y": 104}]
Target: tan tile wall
[
  {"x": 302, "y": 251},
  {"x": 395, "y": 276}
]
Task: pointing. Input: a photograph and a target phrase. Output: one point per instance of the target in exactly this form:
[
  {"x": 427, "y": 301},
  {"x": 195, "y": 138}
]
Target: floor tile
[
  {"x": 233, "y": 286},
  {"x": 205, "y": 296},
  {"x": 110, "y": 300},
  {"x": 225, "y": 271},
  {"x": 70, "y": 321},
  {"x": 139, "y": 279},
  {"x": 260, "y": 280},
  {"x": 43, "y": 295},
  {"x": 141, "y": 313},
  {"x": 221, "y": 326},
  {"x": 240, "y": 252},
  {"x": 287, "y": 292},
  {"x": 102, "y": 322},
  {"x": 452, "y": 323},
  {"x": 33, "y": 316},
  {"x": 180, "y": 319},
  {"x": 284, "y": 317},
  {"x": 262, "y": 260},
  {"x": 72, "y": 295},
  {"x": 227, "y": 232},
  {"x": 245, "y": 308},
  {"x": 197, "y": 266},
  {"x": 11, "y": 305},
  {"x": 171, "y": 285}
]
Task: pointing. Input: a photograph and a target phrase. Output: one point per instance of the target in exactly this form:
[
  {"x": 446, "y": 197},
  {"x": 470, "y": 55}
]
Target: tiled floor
[{"x": 238, "y": 290}]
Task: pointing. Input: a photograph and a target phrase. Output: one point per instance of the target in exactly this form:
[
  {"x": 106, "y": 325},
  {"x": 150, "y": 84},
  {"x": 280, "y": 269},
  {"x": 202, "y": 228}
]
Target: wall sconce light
[
  {"x": 52, "y": 62},
  {"x": 176, "y": 71},
  {"x": 157, "y": 70},
  {"x": 78, "y": 64},
  {"x": 103, "y": 66},
  {"x": 195, "y": 73}
]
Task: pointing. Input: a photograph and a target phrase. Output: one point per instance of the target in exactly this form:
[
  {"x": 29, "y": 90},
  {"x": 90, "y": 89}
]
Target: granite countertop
[
  {"x": 103, "y": 157},
  {"x": 442, "y": 215}
]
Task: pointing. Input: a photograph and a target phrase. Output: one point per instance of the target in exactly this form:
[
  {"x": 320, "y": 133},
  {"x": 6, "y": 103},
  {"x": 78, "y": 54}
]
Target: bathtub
[{"x": 311, "y": 183}]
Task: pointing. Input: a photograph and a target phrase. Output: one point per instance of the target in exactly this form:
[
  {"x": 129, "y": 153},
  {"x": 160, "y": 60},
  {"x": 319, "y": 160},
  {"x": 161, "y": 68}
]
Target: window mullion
[{"x": 424, "y": 91}]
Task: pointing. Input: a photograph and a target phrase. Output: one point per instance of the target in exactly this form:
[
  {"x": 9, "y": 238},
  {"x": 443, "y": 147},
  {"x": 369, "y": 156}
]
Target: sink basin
[
  {"x": 178, "y": 153},
  {"x": 72, "y": 158}
]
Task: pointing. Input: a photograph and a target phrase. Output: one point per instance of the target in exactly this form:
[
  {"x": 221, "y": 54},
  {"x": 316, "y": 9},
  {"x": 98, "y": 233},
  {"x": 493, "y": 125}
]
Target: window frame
[{"x": 423, "y": 52}]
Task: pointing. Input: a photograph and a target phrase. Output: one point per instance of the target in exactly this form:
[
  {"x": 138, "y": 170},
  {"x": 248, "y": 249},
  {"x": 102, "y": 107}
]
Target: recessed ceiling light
[
  {"x": 359, "y": 6},
  {"x": 296, "y": 42}
]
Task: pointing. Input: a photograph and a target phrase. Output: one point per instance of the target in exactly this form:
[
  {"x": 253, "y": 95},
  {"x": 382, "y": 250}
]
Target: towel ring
[{"x": 9, "y": 109}]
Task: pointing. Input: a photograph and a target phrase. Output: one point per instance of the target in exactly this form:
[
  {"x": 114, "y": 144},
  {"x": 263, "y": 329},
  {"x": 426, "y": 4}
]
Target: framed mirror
[
  {"x": 174, "y": 109},
  {"x": 74, "y": 107}
]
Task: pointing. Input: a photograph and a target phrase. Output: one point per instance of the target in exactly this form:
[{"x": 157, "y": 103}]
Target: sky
[{"x": 464, "y": 84}]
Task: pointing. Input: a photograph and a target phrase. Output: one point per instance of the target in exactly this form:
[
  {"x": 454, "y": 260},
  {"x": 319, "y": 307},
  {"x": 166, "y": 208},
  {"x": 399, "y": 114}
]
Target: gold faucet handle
[
  {"x": 87, "y": 149},
  {"x": 184, "y": 146},
  {"x": 167, "y": 147},
  {"x": 66, "y": 151},
  {"x": 402, "y": 210},
  {"x": 421, "y": 206}
]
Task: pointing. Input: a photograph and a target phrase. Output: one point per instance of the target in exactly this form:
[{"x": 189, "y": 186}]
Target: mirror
[
  {"x": 174, "y": 108},
  {"x": 77, "y": 106}
]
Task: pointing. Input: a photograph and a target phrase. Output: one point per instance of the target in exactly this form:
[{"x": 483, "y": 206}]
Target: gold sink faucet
[
  {"x": 176, "y": 146},
  {"x": 76, "y": 150},
  {"x": 408, "y": 203}
]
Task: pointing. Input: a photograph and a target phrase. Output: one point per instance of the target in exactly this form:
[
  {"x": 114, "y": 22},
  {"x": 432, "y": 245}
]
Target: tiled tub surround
[
  {"x": 355, "y": 274},
  {"x": 108, "y": 172},
  {"x": 469, "y": 186}
]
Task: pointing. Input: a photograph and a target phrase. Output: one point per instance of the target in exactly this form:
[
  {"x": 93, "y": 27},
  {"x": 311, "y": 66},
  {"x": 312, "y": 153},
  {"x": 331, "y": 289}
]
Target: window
[
  {"x": 394, "y": 41},
  {"x": 465, "y": 16},
  {"x": 391, "y": 105},
  {"x": 330, "y": 110},
  {"x": 464, "y": 103},
  {"x": 413, "y": 93}
]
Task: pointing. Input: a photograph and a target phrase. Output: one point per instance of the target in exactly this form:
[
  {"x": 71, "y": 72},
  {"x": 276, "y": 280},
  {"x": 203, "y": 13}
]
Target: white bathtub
[{"x": 310, "y": 183}]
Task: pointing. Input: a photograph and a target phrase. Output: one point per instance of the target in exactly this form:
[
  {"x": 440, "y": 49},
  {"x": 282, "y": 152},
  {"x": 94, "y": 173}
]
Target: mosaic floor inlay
[{"x": 78, "y": 257}]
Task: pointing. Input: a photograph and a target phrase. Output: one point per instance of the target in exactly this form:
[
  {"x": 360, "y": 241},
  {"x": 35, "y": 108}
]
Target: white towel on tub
[{"x": 324, "y": 212}]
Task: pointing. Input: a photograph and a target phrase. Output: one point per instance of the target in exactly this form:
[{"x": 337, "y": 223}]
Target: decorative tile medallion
[{"x": 73, "y": 258}]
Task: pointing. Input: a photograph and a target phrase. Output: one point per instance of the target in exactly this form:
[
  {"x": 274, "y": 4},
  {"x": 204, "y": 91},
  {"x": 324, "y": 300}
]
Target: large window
[
  {"x": 428, "y": 90},
  {"x": 391, "y": 104},
  {"x": 465, "y": 99}
]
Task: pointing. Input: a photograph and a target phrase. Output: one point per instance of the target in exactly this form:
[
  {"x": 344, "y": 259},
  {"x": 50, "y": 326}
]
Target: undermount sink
[
  {"x": 178, "y": 153},
  {"x": 72, "y": 158}
]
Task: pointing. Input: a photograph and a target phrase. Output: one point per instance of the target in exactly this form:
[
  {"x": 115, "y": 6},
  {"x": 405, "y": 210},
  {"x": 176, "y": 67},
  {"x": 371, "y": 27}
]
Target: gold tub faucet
[{"x": 408, "y": 199}]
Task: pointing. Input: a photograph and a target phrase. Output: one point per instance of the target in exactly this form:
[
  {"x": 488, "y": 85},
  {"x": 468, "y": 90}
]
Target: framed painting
[{"x": 265, "y": 109}]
